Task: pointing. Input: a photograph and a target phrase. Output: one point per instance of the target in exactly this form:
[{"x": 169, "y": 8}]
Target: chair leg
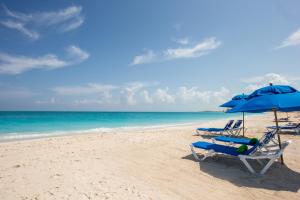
[
  {"x": 268, "y": 165},
  {"x": 194, "y": 153},
  {"x": 247, "y": 165},
  {"x": 210, "y": 153},
  {"x": 260, "y": 162},
  {"x": 239, "y": 132}
]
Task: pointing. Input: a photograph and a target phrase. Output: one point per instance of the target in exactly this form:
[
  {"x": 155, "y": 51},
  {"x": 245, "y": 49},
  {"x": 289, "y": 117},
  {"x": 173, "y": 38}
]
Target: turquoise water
[{"x": 33, "y": 124}]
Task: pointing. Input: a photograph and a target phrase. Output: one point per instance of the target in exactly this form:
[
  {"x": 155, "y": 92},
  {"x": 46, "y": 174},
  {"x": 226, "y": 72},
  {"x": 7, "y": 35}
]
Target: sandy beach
[{"x": 150, "y": 164}]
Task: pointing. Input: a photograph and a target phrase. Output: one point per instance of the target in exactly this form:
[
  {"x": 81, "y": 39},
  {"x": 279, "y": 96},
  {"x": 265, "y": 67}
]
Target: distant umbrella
[
  {"x": 271, "y": 98},
  {"x": 236, "y": 100}
]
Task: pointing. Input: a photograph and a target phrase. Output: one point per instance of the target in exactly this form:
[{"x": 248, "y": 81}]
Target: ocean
[{"x": 24, "y": 125}]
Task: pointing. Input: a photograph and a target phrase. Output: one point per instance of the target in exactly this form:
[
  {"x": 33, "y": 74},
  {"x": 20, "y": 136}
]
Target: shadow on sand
[
  {"x": 278, "y": 177},
  {"x": 206, "y": 136},
  {"x": 292, "y": 133}
]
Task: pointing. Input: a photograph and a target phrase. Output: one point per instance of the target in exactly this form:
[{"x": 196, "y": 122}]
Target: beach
[{"x": 148, "y": 164}]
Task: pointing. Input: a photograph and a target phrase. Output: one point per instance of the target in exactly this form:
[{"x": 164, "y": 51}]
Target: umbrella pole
[
  {"x": 278, "y": 135},
  {"x": 243, "y": 124}
]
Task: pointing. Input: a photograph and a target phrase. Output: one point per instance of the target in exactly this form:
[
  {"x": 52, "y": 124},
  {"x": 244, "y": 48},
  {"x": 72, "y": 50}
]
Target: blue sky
[{"x": 143, "y": 55}]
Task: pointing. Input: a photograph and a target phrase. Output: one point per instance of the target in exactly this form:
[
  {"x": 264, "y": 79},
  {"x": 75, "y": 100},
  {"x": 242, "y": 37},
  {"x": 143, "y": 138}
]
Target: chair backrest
[
  {"x": 237, "y": 124},
  {"x": 267, "y": 137},
  {"x": 228, "y": 125},
  {"x": 264, "y": 140}
]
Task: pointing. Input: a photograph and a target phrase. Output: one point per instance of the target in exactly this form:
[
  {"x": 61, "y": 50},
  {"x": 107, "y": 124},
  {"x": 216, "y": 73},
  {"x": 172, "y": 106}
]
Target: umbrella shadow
[{"x": 278, "y": 177}]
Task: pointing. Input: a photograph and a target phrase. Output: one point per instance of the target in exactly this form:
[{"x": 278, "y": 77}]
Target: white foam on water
[
  {"x": 35, "y": 135},
  {"x": 4, "y": 137}
]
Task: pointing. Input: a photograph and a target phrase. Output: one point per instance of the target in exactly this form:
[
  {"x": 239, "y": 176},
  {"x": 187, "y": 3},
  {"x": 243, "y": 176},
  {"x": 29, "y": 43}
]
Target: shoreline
[{"x": 19, "y": 136}]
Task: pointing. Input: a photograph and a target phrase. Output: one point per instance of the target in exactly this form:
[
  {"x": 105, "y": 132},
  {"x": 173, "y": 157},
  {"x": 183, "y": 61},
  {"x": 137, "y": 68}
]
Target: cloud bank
[
  {"x": 256, "y": 82},
  {"x": 140, "y": 93}
]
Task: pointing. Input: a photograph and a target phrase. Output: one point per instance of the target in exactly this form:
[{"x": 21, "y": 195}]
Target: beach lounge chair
[
  {"x": 236, "y": 129},
  {"x": 288, "y": 127},
  {"x": 216, "y": 130},
  {"x": 257, "y": 152},
  {"x": 246, "y": 141}
]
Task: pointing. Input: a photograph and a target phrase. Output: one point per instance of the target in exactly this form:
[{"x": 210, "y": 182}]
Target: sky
[{"x": 139, "y": 55}]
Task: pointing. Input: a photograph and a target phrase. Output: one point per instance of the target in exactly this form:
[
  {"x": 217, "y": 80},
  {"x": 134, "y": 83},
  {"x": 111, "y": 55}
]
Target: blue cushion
[
  {"x": 219, "y": 148},
  {"x": 233, "y": 140},
  {"x": 211, "y": 129},
  {"x": 203, "y": 129},
  {"x": 216, "y": 129}
]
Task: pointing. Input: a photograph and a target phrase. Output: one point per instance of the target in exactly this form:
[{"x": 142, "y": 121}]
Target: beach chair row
[
  {"x": 265, "y": 148},
  {"x": 231, "y": 128}
]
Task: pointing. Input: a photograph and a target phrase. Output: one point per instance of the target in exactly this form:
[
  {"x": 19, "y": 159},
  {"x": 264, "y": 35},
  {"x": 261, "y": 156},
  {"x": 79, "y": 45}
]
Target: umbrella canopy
[
  {"x": 271, "y": 98},
  {"x": 235, "y": 101}
]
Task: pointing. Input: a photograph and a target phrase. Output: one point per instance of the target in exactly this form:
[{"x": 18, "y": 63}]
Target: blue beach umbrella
[
  {"x": 271, "y": 98},
  {"x": 236, "y": 100}
]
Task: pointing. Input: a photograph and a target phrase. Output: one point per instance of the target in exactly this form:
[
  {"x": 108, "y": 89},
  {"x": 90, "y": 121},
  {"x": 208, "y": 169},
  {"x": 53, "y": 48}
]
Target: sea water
[{"x": 19, "y": 125}]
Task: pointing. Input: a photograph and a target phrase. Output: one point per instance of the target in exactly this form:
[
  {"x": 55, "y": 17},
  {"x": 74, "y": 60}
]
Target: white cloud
[
  {"x": 133, "y": 90},
  {"x": 200, "y": 49},
  {"x": 148, "y": 57},
  {"x": 77, "y": 54},
  {"x": 292, "y": 40},
  {"x": 183, "y": 94},
  {"x": 18, "y": 64},
  {"x": 194, "y": 94},
  {"x": 148, "y": 99},
  {"x": 11, "y": 64},
  {"x": 182, "y": 41},
  {"x": 221, "y": 95},
  {"x": 130, "y": 91},
  {"x": 73, "y": 25},
  {"x": 268, "y": 78},
  {"x": 17, "y": 15},
  {"x": 63, "y": 20},
  {"x": 20, "y": 27},
  {"x": 67, "y": 15},
  {"x": 133, "y": 95},
  {"x": 97, "y": 93},
  {"x": 264, "y": 80},
  {"x": 163, "y": 96},
  {"x": 91, "y": 88}
]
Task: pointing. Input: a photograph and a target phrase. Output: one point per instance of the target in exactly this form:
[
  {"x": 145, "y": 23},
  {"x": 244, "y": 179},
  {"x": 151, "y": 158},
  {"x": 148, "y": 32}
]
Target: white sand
[{"x": 153, "y": 164}]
